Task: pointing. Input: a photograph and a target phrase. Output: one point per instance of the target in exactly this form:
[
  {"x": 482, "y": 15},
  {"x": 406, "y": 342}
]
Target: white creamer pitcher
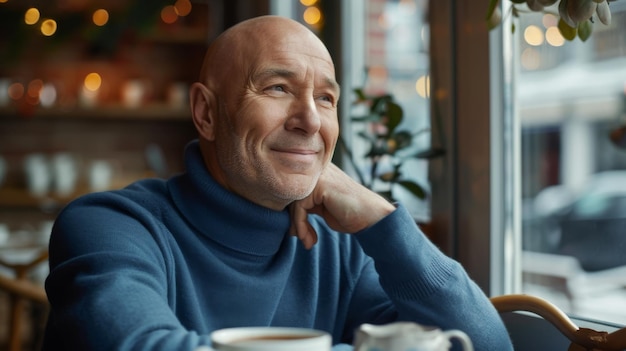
[{"x": 407, "y": 336}]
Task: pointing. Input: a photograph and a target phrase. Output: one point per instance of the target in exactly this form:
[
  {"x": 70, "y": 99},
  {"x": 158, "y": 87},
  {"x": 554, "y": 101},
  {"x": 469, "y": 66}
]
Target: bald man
[{"x": 260, "y": 230}]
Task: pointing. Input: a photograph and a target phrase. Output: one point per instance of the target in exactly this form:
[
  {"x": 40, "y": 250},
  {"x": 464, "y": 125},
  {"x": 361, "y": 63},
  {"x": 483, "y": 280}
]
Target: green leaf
[
  {"x": 386, "y": 195},
  {"x": 389, "y": 177},
  {"x": 367, "y": 118},
  {"x": 491, "y": 8},
  {"x": 366, "y": 136},
  {"x": 430, "y": 153},
  {"x": 567, "y": 32},
  {"x": 584, "y": 30},
  {"x": 402, "y": 139},
  {"x": 414, "y": 188},
  {"x": 377, "y": 149},
  {"x": 394, "y": 116},
  {"x": 379, "y": 104},
  {"x": 360, "y": 94}
]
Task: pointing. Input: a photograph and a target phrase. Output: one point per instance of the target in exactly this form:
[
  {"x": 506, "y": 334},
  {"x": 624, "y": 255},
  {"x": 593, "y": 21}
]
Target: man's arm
[
  {"x": 423, "y": 284},
  {"x": 107, "y": 286}
]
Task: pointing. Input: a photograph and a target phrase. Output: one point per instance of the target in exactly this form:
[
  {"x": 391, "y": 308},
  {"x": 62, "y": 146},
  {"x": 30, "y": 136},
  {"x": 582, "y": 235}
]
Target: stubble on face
[
  {"x": 243, "y": 164},
  {"x": 251, "y": 153}
]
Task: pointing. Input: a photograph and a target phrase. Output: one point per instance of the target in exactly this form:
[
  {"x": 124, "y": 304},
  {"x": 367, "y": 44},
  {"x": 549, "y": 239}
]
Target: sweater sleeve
[
  {"x": 428, "y": 287},
  {"x": 108, "y": 287}
]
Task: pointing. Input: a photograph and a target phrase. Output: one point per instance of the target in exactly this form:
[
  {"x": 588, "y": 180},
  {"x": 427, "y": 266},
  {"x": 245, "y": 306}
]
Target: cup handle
[{"x": 463, "y": 338}]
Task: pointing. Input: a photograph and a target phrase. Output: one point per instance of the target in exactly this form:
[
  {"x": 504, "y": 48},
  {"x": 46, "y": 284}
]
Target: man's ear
[{"x": 203, "y": 110}]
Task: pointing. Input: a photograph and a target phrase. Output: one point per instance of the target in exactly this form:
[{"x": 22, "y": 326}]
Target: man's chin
[{"x": 297, "y": 189}]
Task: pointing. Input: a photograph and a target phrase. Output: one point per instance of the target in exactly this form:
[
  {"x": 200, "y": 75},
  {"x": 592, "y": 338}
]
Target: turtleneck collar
[{"x": 223, "y": 216}]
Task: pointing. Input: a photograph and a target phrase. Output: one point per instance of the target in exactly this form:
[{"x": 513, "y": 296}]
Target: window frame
[{"x": 475, "y": 211}]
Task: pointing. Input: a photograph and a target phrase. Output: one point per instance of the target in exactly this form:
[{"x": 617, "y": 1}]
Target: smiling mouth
[
  {"x": 296, "y": 157},
  {"x": 296, "y": 151}
]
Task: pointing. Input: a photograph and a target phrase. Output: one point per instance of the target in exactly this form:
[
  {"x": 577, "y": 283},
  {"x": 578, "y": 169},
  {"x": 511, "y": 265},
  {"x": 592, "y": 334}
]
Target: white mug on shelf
[
  {"x": 65, "y": 173},
  {"x": 133, "y": 93},
  {"x": 38, "y": 177},
  {"x": 5, "y": 233},
  {"x": 100, "y": 174},
  {"x": 407, "y": 336}
]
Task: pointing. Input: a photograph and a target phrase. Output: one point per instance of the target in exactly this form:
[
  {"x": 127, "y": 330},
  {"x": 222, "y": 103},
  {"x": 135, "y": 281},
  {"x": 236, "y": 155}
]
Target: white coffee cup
[
  {"x": 270, "y": 339},
  {"x": 407, "y": 336}
]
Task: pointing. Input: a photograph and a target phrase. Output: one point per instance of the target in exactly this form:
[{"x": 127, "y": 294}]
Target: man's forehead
[{"x": 289, "y": 73}]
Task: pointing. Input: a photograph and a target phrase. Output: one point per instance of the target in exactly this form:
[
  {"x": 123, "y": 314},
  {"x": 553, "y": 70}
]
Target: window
[
  {"x": 570, "y": 95},
  {"x": 383, "y": 50},
  {"x": 524, "y": 124}
]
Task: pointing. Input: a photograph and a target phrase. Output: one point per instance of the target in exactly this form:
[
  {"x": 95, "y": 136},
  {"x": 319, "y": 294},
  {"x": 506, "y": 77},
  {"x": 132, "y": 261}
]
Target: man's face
[{"x": 277, "y": 125}]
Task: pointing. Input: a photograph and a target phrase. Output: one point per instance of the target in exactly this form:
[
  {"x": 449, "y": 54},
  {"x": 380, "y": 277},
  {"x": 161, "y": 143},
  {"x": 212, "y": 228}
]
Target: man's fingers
[{"x": 301, "y": 227}]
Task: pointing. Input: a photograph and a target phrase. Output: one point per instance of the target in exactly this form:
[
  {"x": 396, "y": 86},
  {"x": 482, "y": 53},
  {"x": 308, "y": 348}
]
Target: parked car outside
[{"x": 589, "y": 225}]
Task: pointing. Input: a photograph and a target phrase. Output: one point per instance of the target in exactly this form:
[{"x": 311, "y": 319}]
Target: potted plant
[
  {"x": 576, "y": 17},
  {"x": 387, "y": 142}
]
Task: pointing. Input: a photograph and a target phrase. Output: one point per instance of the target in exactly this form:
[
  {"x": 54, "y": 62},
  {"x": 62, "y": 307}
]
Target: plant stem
[{"x": 348, "y": 152}]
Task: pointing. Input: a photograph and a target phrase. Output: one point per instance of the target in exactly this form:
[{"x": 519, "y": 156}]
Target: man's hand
[{"x": 345, "y": 205}]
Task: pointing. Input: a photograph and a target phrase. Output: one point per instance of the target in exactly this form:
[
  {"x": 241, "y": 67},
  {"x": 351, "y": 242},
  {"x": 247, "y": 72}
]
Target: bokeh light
[
  {"x": 168, "y": 14},
  {"x": 422, "y": 86},
  {"x": 530, "y": 60},
  {"x": 182, "y": 7},
  {"x": 93, "y": 81},
  {"x": 549, "y": 20},
  {"x": 533, "y": 35},
  {"x": 47, "y": 95},
  {"x": 312, "y": 15},
  {"x": 34, "y": 88},
  {"x": 383, "y": 21},
  {"x": 31, "y": 16},
  {"x": 308, "y": 2},
  {"x": 554, "y": 37},
  {"x": 100, "y": 17},
  {"x": 408, "y": 7},
  {"x": 48, "y": 27},
  {"x": 16, "y": 91}
]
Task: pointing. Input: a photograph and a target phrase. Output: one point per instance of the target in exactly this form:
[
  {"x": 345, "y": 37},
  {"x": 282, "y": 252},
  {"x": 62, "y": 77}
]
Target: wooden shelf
[
  {"x": 16, "y": 198},
  {"x": 20, "y": 199},
  {"x": 146, "y": 112}
]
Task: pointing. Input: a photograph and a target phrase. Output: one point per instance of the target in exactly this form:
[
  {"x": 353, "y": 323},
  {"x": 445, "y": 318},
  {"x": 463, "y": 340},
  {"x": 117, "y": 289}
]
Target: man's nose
[{"x": 304, "y": 116}]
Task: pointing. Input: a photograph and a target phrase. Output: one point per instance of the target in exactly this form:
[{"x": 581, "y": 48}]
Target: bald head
[
  {"x": 266, "y": 110},
  {"x": 234, "y": 51}
]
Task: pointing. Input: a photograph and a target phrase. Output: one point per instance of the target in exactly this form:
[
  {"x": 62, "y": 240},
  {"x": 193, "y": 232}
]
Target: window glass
[
  {"x": 396, "y": 63},
  {"x": 570, "y": 98},
  {"x": 384, "y": 52}
]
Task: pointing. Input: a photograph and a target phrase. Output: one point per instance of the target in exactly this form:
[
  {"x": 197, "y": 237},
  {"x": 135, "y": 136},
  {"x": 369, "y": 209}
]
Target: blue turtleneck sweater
[{"x": 162, "y": 263}]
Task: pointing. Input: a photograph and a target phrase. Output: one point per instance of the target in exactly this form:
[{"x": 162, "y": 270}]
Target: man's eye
[
  {"x": 326, "y": 99},
  {"x": 277, "y": 88}
]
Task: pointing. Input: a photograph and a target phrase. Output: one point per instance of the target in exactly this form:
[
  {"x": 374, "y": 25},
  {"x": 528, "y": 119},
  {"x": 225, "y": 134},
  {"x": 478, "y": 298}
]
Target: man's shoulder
[{"x": 148, "y": 194}]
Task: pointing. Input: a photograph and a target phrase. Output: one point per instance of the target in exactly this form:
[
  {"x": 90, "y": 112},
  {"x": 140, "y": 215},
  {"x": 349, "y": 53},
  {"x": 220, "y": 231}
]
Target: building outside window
[{"x": 570, "y": 95}]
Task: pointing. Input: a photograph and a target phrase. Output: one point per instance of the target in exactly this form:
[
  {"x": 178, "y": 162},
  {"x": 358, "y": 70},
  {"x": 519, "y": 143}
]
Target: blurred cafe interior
[{"x": 515, "y": 164}]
